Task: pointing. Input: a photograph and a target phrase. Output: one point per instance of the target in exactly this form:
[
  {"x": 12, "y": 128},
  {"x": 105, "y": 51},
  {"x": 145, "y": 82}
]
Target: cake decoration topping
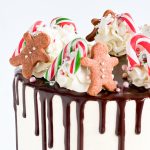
[
  {"x": 126, "y": 84},
  {"x": 77, "y": 68},
  {"x": 33, "y": 52},
  {"x": 62, "y": 21},
  {"x": 145, "y": 29},
  {"x": 138, "y": 54},
  {"x": 138, "y": 51},
  {"x": 139, "y": 77},
  {"x": 107, "y": 12},
  {"x": 114, "y": 29},
  {"x": 60, "y": 36},
  {"x": 31, "y": 30},
  {"x": 101, "y": 66},
  {"x": 73, "y": 52},
  {"x": 118, "y": 90},
  {"x": 32, "y": 79}
]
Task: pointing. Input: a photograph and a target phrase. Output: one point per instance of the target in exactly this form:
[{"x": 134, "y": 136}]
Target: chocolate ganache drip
[
  {"x": 102, "y": 105},
  {"x": 46, "y": 92}
]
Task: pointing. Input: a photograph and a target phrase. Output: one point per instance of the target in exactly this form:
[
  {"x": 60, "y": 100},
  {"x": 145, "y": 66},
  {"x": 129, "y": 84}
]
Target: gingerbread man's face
[
  {"x": 33, "y": 53},
  {"x": 98, "y": 50}
]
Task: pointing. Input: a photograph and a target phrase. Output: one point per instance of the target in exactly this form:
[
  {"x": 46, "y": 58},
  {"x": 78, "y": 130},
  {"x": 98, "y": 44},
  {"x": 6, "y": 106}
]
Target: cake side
[{"x": 47, "y": 121}]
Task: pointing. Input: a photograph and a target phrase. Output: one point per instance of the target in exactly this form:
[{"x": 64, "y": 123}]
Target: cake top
[
  {"x": 57, "y": 53},
  {"x": 114, "y": 29}
]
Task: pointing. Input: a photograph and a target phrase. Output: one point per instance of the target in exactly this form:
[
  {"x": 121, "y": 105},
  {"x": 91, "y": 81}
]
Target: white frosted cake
[{"x": 69, "y": 95}]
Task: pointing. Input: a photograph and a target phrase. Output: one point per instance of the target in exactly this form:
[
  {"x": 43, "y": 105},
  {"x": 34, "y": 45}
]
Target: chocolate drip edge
[{"x": 40, "y": 87}]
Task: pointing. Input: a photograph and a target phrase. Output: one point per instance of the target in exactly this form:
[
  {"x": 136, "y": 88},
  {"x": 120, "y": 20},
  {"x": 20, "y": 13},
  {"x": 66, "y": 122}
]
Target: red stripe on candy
[
  {"x": 132, "y": 62},
  {"x": 52, "y": 69},
  {"x": 134, "y": 40},
  {"x": 19, "y": 48},
  {"x": 68, "y": 23},
  {"x": 129, "y": 23},
  {"x": 72, "y": 66},
  {"x": 146, "y": 45},
  {"x": 35, "y": 26},
  {"x": 20, "y": 45},
  {"x": 65, "y": 51},
  {"x": 83, "y": 48}
]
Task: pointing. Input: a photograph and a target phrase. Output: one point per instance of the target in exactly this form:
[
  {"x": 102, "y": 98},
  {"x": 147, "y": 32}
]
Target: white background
[{"x": 15, "y": 18}]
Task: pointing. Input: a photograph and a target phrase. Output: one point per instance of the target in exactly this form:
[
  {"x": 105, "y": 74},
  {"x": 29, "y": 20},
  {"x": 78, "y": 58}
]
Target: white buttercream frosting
[
  {"x": 139, "y": 77},
  {"x": 145, "y": 29},
  {"x": 115, "y": 33},
  {"x": 78, "y": 82},
  {"x": 59, "y": 37}
]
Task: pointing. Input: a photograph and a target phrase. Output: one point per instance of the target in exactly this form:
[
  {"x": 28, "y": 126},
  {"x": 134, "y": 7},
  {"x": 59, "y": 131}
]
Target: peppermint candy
[
  {"x": 22, "y": 43},
  {"x": 79, "y": 46},
  {"x": 126, "y": 17},
  {"x": 62, "y": 21},
  {"x": 137, "y": 44}
]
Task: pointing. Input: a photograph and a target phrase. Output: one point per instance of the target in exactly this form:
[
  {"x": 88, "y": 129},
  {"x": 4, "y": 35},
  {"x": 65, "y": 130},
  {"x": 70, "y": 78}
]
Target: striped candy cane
[
  {"x": 79, "y": 46},
  {"x": 128, "y": 19},
  {"x": 32, "y": 29},
  {"x": 62, "y": 21},
  {"x": 136, "y": 42}
]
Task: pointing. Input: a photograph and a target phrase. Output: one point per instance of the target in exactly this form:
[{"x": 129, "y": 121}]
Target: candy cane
[
  {"x": 32, "y": 29},
  {"x": 128, "y": 19},
  {"x": 35, "y": 26},
  {"x": 81, "y": 52},
  {"x": 132, "y": 53},
  {"x": 79, "y": 46},
  {"x": 61, "y": 21}
]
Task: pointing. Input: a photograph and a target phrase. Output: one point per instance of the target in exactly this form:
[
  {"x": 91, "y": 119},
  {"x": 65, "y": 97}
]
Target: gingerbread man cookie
[
  {"x": 101, "y": 67},
  {"x": 33, "y": 53},
  {"x": 95, "y": 22}
]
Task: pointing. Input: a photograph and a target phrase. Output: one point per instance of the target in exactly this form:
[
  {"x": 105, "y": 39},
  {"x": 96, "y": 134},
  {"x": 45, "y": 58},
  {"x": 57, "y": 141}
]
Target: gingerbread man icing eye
[{"x": 33, "y": 53}]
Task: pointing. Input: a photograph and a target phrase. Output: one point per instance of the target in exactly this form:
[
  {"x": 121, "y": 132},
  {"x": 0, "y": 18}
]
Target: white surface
[
  {"x": 92, "y": 138},
  {"x": 17, "y": 15}
]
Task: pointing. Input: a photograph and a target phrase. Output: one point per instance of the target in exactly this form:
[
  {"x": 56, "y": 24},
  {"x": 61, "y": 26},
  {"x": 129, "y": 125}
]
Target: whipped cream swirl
[
  {"x": 78, "y": 82},
  {"x": 59, "y": 36},
  {"x": 139, "y": 77},
  {"x": 145, "y": 29},
  {"x": 115, "y": 33}
]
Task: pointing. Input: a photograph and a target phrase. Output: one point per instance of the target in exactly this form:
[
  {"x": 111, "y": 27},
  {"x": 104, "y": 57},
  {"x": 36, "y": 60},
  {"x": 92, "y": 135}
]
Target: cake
[{"x": 73, "y": 95}]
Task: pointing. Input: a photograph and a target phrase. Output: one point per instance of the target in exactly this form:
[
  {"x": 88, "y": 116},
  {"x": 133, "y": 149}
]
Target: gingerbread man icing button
[
  {"x": 33, "y": 53},
  {"x": 101, "y": 67}
]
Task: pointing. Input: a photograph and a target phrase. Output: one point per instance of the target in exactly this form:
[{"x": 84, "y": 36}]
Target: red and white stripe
[
  {"x": 18, "y": 49},
  {"x": 35, "y": 26},
  {"x": 77, "y": 45},
  {"x": 128, "y": 19},
  {"x": 138, "y": 41}
]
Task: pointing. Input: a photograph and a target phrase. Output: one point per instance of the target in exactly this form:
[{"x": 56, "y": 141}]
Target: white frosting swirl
[
  {"x": 145, "y": 30},
  {"x": 139, "y": 77},
  {"x": 115, "y": 33},
  {"x": 59, "y": 37},
  {"x": 78, "y": 82}
]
